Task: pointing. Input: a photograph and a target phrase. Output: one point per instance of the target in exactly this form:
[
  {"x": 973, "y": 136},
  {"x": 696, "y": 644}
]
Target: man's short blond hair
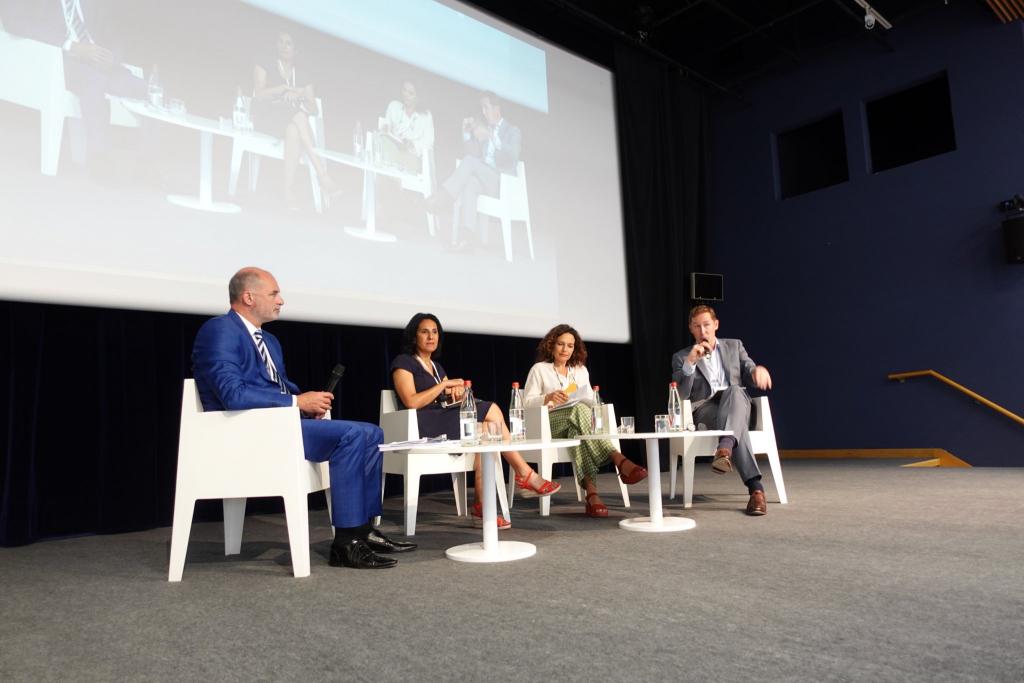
[{"x": 701, "y": 308}]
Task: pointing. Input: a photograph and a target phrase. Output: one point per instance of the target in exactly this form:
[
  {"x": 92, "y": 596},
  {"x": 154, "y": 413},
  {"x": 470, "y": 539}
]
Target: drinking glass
[
  {"x": 627, "y": 425},
  {"x": 661, "y": 423},
  {"x": 489, "y": 432}
]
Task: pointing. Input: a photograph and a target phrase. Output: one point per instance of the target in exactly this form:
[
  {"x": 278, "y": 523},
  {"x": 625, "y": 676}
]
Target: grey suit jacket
[
  {"x": 506, "y": 158},
  {"x": 738, "y": 368}
]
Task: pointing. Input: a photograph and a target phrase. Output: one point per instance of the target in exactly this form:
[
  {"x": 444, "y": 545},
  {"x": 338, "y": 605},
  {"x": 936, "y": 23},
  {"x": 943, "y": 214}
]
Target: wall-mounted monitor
[{"x": 706, "y": 287}]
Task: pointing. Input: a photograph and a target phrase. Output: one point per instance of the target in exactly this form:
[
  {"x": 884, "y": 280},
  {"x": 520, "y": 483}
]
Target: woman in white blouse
[{"x": 560, "y": 375}]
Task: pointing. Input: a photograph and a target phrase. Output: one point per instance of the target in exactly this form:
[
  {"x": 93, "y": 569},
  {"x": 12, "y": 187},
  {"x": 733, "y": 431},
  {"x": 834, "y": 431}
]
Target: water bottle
[
  {"x": 597, "y": 412},
  {"x": 238, "y": 116},
  {"x": 675, "y": 409},
  {"x": 154, "y": 89},
  {"x": 357, "y": 139},
  {"x": 516, "y": 414},
  {"x": 467, "y": 417}
]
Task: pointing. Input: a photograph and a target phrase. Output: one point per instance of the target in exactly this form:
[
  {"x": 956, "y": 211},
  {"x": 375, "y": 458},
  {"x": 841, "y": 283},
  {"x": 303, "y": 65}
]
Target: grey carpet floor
[{"x": 872, "y": 573}]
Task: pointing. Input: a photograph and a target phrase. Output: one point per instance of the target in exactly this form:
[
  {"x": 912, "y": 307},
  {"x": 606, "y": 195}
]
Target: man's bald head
[{"x": 245, "y": 279}]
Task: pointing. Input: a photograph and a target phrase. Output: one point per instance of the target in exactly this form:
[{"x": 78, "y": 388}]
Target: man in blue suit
[
  {"x": 238, "y": 366},
  {"x": 92, "y": 59}
]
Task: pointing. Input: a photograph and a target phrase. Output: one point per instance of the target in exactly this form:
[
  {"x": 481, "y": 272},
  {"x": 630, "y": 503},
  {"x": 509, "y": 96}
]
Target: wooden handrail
[{"x": 942, "y": 378}]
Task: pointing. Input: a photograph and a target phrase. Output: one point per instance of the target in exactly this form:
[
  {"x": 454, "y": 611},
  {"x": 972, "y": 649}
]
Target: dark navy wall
[{"x": 900, "y": 270}]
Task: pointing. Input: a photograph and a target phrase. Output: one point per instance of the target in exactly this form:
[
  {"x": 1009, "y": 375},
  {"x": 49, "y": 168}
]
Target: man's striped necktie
[
  {"x": 77, "y": 27},
  {"x": 265, "y": 355}
]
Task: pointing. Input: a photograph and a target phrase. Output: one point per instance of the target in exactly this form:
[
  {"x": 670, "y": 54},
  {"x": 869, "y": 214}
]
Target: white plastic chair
[
  {"x": 257, "y": 145},
  {"x": 511, "y": 204},
  {"x": 38, "y": 83},
  {"x": 237, "y": 454},
  {"x": 401, "y": 425},
  {"x": 423, "y": 183},
  {"x": 538, "y": 426},
  {"x": 762, "y": 440}
]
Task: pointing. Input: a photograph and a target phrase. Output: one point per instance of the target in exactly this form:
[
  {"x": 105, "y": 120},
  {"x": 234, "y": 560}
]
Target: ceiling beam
[
  {"x": 676, "y": 13},
  {"x": 632, "y": 40},
  {"x": 750, "y": 27},
  {"x": 760, "y": 29}
]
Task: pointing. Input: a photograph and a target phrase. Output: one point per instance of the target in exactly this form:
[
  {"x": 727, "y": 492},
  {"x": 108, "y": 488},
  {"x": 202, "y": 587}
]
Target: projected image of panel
[{"x": 379, "y": 158}]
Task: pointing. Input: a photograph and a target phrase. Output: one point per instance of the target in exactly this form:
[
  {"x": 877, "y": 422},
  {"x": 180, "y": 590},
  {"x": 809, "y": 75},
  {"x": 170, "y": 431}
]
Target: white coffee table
[
  {"x": 207, "y": 128},
  {"x": 491, "y": 550},
  {"x": 657, "y": 522}
]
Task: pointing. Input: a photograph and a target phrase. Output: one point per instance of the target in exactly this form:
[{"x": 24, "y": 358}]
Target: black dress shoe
[
  {"x": 380, "y": 543},
  {"x": 357, "y": 554}
]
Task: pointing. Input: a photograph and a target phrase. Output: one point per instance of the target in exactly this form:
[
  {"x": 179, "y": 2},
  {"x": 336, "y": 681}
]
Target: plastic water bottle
[
  {"x": 516, "y": 414},
  {"x": 238, "y": 116},
  {"x": 675, "y": 408},
  {"x": 597, "y": 412},
  {"x": 153, "y": 88},
  {"x": 467, "y": 416},
  {"x": 357, "y": 139}
]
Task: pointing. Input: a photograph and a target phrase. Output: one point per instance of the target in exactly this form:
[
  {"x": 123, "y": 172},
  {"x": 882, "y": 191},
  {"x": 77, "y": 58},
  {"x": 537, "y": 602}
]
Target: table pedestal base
[
  {"x": 657, "y": 522},
  {"x": 204, "y": 200},
  {"x": 667, "y": 524},
  {"x": 505, "y": 551},
  {"x": 370, "y": 234},
  {"x": 189, "y": 202}
]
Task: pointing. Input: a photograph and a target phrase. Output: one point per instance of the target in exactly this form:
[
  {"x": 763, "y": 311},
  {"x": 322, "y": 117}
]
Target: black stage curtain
[
  {"x": 93, "y": 396},
  {"x": 663, "y": 156},
  {"x": 92, "y": 405}
]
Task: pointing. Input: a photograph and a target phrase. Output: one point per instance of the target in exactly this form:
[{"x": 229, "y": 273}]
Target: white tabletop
[
  {"x": 454, "y": 446},
  {"x": 364, "y": 163},
  {"x": 185, "y": 119},
  {"x": 655, "y": 435}
]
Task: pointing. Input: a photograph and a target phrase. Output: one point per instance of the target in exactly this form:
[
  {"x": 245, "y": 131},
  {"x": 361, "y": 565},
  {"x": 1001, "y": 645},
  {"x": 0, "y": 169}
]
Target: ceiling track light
[{"x": 872, "y": 16}]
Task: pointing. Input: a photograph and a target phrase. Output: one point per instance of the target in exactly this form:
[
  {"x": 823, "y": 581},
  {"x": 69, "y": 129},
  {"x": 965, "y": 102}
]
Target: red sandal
[
  {"x": 598, "y": 509},
  {"x": 478, "y": 513},
  {"x": 634, "y": 475},
  {"x": 546, "y": 488}
]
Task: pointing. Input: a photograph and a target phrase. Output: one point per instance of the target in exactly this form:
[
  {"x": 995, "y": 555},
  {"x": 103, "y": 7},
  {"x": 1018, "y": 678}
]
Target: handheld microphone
[{"x": 332, "y": 379}]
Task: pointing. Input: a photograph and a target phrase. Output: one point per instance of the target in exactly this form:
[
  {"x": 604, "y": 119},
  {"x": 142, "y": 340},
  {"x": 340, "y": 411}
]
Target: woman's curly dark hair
[
  {"x": 409, "y": 334},
  {"x": 546, "y": 348}
]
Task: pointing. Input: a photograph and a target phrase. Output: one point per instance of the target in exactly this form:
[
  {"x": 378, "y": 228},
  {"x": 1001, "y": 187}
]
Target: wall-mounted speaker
[
  {"x": 706, "y": 287},
  {"x": 1013, "y": 239}
]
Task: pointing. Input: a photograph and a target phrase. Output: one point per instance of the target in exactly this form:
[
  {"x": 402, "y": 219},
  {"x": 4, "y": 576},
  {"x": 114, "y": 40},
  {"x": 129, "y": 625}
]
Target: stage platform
[{"x": 872, "y": 572}]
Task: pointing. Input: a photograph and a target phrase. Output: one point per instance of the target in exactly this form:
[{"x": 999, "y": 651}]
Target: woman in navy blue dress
[{"x": 421, "y": 383}]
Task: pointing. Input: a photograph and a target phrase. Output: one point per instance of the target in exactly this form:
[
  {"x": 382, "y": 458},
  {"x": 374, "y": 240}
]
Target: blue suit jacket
[{"x": 228, "y": 369}]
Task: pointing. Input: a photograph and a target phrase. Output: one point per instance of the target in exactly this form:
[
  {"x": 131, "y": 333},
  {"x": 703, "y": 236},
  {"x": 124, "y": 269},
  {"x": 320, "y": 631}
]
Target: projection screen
[{"x": 380, "y": 158}]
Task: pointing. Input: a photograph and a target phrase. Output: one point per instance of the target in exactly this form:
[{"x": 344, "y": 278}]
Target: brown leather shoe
[
  {"x": 722, "y": 463},
  {"x": 757, "y": 506}
]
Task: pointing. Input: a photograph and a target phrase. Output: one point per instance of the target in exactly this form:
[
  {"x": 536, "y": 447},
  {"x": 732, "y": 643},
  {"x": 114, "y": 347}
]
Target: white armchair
[
  {"x": 424, "y": 183},
  {"x": 401, "y": 425},
  {"x": 511, "y": 204},
  {"x": 762, "y": 440},
  {"x": 38, "y": 83},
  {"x": 237, "y": 454},
  {"x": 538, "y": 426},
  {"x": 256, "y": 145}
]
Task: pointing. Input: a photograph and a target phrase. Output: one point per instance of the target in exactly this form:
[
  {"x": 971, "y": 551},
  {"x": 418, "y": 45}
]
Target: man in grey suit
[
  {"x": 492, "y": 147},
  {"x": 713, "y": 374}
]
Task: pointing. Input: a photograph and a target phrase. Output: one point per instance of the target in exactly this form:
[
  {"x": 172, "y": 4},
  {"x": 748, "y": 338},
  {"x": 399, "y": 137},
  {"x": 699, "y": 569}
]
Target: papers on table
[{"x": 419, "y": 442}]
